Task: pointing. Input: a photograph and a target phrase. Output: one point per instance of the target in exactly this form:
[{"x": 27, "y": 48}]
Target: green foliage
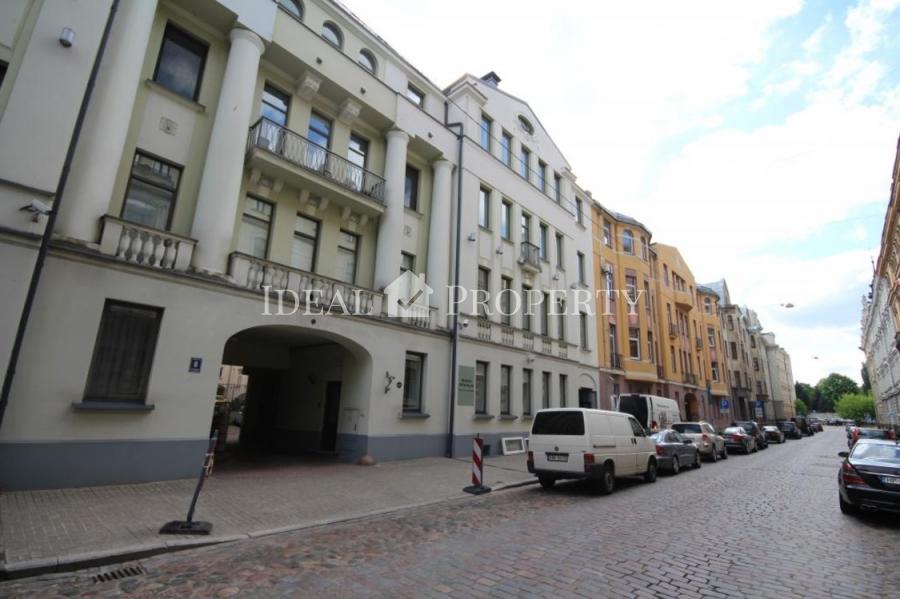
[
  {"x": 855, "y": 406},
  {"x": 831, "y": 389},
  {"x": 800, "y": 407},
  {"x": 805, "y": 392}
]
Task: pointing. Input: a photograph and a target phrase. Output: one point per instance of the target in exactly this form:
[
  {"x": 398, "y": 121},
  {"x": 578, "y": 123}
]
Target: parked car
[
  {"x": 708, "y": 441},
  {"x": 754, "y": 429},
  {"x": 596, "y": 445},
  {"x": 816, "y": 425},
  {"x": 869, "y": 478},
  {"x": 674, "y": 451},
  {"x": 736, "y": 438},
  {"x": 803, "y": 424},
  {"x": 857, "y": 432},
  {"x": 790, "y": 430},
  {"x": 773, "y": 434}
]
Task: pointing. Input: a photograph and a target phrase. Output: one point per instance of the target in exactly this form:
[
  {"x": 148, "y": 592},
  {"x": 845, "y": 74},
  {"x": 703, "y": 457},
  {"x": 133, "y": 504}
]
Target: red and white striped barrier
[{"x": 477, "y": 486}]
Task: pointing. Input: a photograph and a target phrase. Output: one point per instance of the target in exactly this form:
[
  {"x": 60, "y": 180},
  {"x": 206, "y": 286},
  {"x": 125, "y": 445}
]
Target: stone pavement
[
  {"x": 763, "y": 525},
  {"x": 41, "y": 530}
]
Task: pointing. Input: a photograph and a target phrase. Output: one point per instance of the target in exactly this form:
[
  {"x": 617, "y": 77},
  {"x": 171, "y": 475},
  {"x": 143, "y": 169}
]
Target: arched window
[
  {"x": 628, "y": 242},
  {"x": 292, "y": 6},
  {"x": 367, "y": 61},
  {"x": 332, "y": 34},
  {"x": 526, "y": 125}
]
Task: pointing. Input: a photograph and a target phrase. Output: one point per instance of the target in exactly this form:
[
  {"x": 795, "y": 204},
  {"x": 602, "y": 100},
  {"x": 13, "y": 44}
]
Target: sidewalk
[{"x": 57, "y": 529}]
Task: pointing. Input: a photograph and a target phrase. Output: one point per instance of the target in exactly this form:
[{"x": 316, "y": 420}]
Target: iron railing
[
  {"x": 530, "y": 255},
  {"x": 296, "y": 149},
  {"x": 615, "y": 361}
]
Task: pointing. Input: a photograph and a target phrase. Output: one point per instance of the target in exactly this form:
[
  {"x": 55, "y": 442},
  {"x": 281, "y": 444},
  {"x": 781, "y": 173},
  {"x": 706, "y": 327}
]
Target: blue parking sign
[{"x": 723, "y": 405}]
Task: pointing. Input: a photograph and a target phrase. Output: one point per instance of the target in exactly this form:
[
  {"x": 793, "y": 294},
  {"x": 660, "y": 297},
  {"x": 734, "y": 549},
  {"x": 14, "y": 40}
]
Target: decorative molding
[
  {"x": 349, "y": 111},
  {"x": 308, "y": 86}
]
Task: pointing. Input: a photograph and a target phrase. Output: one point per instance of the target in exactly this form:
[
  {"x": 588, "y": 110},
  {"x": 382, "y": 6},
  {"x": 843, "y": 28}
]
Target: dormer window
[
  {"x": 333, "y": 35},
  {"x": 526, "y": 125},
  {"x": 415, "y": 96},
  {"x": 367, "y": 61},
  {"x": 292, "y": 6}
]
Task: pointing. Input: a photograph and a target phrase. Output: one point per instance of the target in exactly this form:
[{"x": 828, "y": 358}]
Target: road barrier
[{"x": 477, "y": 487}]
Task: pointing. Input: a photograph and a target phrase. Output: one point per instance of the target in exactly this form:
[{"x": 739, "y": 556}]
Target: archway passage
[
  {"x": 691, "y": 407},
  {"x": 305, "y": 392}
]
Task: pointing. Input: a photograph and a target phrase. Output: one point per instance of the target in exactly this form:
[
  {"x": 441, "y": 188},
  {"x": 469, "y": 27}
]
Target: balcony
[
  {"x": 690, "y": 378},
  {"x": 146, "y": 246},
  {"x": 673, "y": 330},
  {"x": 698, "y": 342},
  {"x": 683, "y": 299},
  {"x": 310, "y": 166},
  {"x": 484, "y": 329},
  {"x": 530, "y": 257},
  {"x": 615, "y": 361}
]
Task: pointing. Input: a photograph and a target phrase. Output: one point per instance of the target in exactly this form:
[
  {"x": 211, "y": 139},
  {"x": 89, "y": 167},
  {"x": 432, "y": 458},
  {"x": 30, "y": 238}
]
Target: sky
[{"x": 758, "y": 137}]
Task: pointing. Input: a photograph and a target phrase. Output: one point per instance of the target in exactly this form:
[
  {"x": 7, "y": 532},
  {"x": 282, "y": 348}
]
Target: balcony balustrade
[
  {"x": 530, "y": 256},
  {"x": 139, "y": 244},
  {"x": 615, "y": 361}
]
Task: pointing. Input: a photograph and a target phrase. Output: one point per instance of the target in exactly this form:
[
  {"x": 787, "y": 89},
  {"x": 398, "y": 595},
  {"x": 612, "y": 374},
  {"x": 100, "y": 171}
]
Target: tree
[
  {"x": 855, "y": 406},
  {"x": 800, "y": 407},
  {"x": 832, "y": 388},
  {"x": 805, "y": 392}
]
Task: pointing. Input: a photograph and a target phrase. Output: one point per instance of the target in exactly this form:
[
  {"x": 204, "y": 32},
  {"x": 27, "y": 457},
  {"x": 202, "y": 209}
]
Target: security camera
[
  {"x": 465, "y": 323},
  {"x": 37, "y": 209}
]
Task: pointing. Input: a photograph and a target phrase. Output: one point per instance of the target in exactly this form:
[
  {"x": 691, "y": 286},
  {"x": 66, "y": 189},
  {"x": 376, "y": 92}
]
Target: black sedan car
[
  {"x": 753, "y": 428},
  {"x": 737, "y": 439},
  {"x": 675, "y": 451},
  {"x": 773, "y": 434},
  {"x": 869, "y": 478},
  {"x": 790, "y": 430}
]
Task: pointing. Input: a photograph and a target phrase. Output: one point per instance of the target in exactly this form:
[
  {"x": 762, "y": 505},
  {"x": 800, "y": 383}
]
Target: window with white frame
[
  {"x": 256, "y": 223},
  {"x": 484, "y": 208},
  {"x": 505, "y": 387},
  {"x": 481, "y": 387},
  {"x": 412, "y": 382},
  {"x": 634, "y": 343}
]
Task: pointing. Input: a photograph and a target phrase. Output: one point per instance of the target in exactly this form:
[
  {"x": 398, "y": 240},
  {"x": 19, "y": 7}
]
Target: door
[
  {"x": 625, "y": 444},
  {"x": 332, "y": 413},
  {"x": 586, "y": 398},
  {"x": 643, "y": 446}
]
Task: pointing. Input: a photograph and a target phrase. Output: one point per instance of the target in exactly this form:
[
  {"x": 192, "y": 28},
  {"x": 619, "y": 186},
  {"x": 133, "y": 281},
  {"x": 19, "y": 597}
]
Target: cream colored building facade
[{"x": 232, "y": 146}]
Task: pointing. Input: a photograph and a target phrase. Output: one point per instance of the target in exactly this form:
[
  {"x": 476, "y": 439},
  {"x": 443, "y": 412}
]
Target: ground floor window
[
  {"x": 151, "y": 192},
  {"x": 505, "y": 383},
  {"x": 412, "y": 382},
  {"x": 563, "y": 390},
  {"x": 123, "y": 353},
  {"x": 526, "y": 391},
  {"x": 481, "y": 382},
  {"x": 545, "y": 389}
]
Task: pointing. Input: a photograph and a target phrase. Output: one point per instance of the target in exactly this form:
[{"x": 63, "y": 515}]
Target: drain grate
[{"x": 118, "y": 574}]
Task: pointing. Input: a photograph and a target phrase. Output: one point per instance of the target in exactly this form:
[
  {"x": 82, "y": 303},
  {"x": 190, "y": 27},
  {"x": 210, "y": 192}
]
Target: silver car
[{"x": 710, "y": 444}]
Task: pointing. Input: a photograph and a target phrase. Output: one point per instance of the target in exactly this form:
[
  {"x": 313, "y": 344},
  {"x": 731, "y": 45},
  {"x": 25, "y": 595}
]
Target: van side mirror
[{"x": 843, "y": 454}]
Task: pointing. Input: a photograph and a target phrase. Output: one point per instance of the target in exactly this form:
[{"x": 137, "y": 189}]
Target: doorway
[
  {"x": 331, "y": 415},
  {"x": 587, "y": 398}
]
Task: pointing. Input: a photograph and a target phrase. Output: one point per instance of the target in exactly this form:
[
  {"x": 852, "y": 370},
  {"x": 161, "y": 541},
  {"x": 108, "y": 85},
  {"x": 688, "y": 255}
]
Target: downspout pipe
[
  {"x": 454, "y": 334},
  {"x": 51, "y": 217}
]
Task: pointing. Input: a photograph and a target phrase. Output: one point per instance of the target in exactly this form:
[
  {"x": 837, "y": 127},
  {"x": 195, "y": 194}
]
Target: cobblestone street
[{"x": 762, "y": 525}]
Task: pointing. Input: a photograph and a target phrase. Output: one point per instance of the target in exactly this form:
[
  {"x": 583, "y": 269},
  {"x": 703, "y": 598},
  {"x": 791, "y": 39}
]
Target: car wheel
[
  {"x": 546, "y": 481},
  {"x": 715, "y": 455},
  {"x": 847, "y": 508},
  {"x": 650, "y": 474},
  {"x": 697, "y": 461},
  {"x": 676, "y": 467},
  {"x": 607, "y": 482},
  {"x": 724, "y": 453}
]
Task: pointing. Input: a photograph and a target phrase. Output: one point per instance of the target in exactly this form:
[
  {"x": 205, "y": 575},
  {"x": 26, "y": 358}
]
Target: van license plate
[
  {"x": 557, "y": 457},
  {"x": 894, "y": 481}
]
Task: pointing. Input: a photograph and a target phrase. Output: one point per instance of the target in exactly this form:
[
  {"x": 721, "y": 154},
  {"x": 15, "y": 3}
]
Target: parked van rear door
[{"x": 559, "y": 440}]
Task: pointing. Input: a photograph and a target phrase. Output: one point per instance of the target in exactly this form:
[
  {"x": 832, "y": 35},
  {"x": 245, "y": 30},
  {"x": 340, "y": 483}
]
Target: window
[
  {"x": 607, "y": 234},
  {"x": 255, "y": 224},
  {"x": 348, "y": 249},
  {"x": 648, "y": 301},
  {"x": 583, "y": 329},
  {"x": 608, "y": 278},
  {"x": 481, "y": 383},
  {"x": 650, "y": 353},
  {"x": 756, "y": 364},
  {"x": 559, "y": 251},
  {"x": 505, "y": 385},
  {"x": 561, "y": 319},
  {"x": 123, "y": 353},
  {"x": 545, "y": 389},
  {"x": 563, "y": 390},
  {"x": 306, "y": 243},
  {"x": 715, "y": 371},
  {"x": 557, "y": 188},
  {"x": 411, "y": 188},
  {"x": 542, "y": 176},
  {"x": 579, "y": 211},
  {"x": 319, "y": 130},
  {"x": 526, "y": 391},
  {"x": 292, "y": 6},
  {"x": 484, "y": 289},
  {"x": 643, "y": 248},
  {"x": 752, "y": 341},
  {"x": 506, "y": 149},
  {"x": 634, "y": 343},
  {"x": 275, "y": 105},
  {"x": 484, "y": 208},
  {"x": 524, "y": 162},
  {"x": 486, "y": 123},
  {"x": 526, "y": 227},
  {"x": 545, "y": 315},
  {"x": 526, "y": 315},
  {"x": 407, "y": 262},
  {"x": 415, "y": 96},
  {"x": 707, "y": 305},
  {"x": 333, "y": 35},
  {"x": 582, "y": 276},
  {"x": 628, "y": 242},
  {"x": 631, "y": 287},
  {"x": 672, "y": 358},
  {"x": 505, "y": 216},
  {"x": 734, "y": 354},
  {"x": 543, "y": 232},
  {"x": 505, "y": 300},
  {"x": 358, "y": 154},
  {"x": 613, "y": 341},
  {"x": 412, "y": 382},
  {"x": 367, "y": 61},
  {"x": 151, "y": 192},
  {"x": 666, "y": 275},
  {"x": 711, "y": 336},
  {"x": 179, "y": 67}
]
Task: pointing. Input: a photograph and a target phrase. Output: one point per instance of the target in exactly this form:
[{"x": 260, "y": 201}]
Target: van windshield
[
  {"x": 558, "y": 423},
  {"x": 635, "y": 405}
]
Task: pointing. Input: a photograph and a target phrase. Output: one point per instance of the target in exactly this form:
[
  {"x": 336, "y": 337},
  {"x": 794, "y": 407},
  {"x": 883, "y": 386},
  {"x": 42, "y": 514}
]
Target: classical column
[
  {"x": 437, "y": 274},
  {"x": 220, "y": 184},
  {"x": 102, "y": 139},
  {"x": 390, "y": 226}
]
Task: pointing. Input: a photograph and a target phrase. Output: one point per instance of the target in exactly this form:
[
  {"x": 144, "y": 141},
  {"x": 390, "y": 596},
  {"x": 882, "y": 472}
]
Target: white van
[
  {"x": 648, "y": 409},
  {"x": 597, "y": 445}
]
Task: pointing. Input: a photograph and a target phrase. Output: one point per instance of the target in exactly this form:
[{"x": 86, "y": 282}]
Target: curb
[{"x": 93, "y": 559}]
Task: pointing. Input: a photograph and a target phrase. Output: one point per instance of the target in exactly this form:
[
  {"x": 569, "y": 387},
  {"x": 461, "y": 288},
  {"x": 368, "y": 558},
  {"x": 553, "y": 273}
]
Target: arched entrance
[
  {"x": 306, "y": 392},
  {"x": 691, "y": 407}
]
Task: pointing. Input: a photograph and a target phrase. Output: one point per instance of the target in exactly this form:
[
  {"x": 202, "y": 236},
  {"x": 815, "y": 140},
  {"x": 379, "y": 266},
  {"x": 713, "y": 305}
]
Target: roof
[
  {"x": 717, "y": 287},
  {"x": 627, "y": 219},
  {"x": 707, "y": 290}
]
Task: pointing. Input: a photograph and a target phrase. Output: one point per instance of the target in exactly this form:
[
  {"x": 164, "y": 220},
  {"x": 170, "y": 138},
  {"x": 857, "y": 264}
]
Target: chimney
[{"x": 491, "y": 79}]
